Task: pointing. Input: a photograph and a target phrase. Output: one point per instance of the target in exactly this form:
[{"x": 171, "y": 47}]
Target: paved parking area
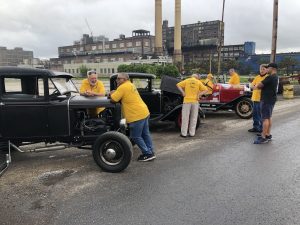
[{"x": 36, "y": 183}]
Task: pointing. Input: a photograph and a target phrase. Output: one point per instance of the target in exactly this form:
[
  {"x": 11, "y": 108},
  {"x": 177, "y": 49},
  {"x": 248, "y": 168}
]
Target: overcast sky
[{"x": 44, "y": 25}]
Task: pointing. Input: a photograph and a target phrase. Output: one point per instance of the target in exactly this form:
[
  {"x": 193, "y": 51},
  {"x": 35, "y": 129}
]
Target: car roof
[
  {"x": 136, "y": 75},
  {"x": 20, "y": 71}
]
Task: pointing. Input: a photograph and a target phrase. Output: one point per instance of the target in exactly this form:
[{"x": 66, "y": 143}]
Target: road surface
[{"x": 218, "y": 177}]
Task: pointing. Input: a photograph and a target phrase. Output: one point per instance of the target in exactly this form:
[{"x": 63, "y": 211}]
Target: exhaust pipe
[
  {"x": 49, "y": 148},
  {"x": 42, "y": 149}
]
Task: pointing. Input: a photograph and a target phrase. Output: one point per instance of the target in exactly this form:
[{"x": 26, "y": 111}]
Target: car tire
[
  {"x": 112, "y": 151},
  {"x": 244, "y": 108},
  {"x": 178, "y": 121}
]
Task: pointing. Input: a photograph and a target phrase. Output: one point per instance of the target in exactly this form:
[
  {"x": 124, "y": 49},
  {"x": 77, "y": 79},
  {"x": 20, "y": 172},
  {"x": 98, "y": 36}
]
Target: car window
[
  {"x": 63, "y": 85},
  {"x": 27, "y": 88},
  {"x": 12, "y": 85},
  {"x": 141, "y": 84}
]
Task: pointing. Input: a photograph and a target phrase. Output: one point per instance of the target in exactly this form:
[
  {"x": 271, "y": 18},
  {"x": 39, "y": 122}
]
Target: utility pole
[
  {"x": 274, "y": 31},
  {"x": 220, "y": 42}
]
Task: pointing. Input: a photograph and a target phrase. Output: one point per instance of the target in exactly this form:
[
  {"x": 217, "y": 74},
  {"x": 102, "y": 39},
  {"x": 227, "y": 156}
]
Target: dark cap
[{"x": 273, "y": 65}]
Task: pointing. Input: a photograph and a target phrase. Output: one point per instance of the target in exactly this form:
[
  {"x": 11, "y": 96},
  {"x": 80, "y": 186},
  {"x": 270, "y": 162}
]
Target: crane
[{"x": 86, "y": 21}]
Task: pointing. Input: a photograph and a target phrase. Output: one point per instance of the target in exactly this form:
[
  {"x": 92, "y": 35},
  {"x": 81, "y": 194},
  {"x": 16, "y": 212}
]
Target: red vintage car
[{"x": 229, "y": 97}]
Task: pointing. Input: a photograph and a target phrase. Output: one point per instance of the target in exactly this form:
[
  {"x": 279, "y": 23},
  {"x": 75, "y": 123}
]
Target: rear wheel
[
  {"x": 244, "y": 108},
  {"x": 112, "y": 151},
  {"x": 178, "y": 121}
]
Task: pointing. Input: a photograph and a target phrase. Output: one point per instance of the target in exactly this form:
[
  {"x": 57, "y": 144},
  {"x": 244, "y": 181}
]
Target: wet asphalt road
[
  {"x": 219, "y": 177},
  {"x": 227, "y": 182}
]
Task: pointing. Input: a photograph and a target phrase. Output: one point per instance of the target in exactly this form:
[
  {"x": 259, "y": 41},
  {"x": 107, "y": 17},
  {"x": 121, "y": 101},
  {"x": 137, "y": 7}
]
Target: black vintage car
[
  {"x": 164, "y": 104},
  {"x": 44, "y": 106}
]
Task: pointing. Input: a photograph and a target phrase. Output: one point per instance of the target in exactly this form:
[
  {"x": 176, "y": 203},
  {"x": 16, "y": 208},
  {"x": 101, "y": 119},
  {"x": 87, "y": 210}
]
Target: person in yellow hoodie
[
  {"x": 234, "y": 77},
  {"x": 256, "y": 94},
  {"x": 91, "y": 87},
  {"x": 191, "y": 89},
  {"x": 136, "y": 114}
]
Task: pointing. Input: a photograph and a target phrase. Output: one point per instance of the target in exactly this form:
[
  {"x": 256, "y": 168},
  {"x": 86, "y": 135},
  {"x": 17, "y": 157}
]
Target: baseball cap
[{"x": 273, "y": 65}]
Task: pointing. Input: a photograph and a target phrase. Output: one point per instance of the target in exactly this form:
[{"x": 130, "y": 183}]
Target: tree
[
  {"x": 226, "y": 65},
  {"x": 158, "y": 70},
  {"x": 83, "y": 70},
  {"x": 287, "y": 64}
]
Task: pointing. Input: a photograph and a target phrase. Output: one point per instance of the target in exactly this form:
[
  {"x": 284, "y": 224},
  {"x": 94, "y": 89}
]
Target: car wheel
[
  {"x": 244, "y": 108},
  {"x": 178, "y": 121},
  {"x": 112, "y": 151}
]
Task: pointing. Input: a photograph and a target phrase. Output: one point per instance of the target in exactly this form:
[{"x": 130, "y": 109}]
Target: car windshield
[{"x": 64, "y": 85}]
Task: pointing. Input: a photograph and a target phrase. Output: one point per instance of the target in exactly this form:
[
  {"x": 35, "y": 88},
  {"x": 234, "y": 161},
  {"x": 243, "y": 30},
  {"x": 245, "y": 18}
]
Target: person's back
[
  {"x": 136, "y": 114},
  {"x": 133, "y": 105},
  {"x": 191, "y": 88}
]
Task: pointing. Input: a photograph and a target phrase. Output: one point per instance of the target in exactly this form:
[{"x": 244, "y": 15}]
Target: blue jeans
[
  {"x": 140, "y": 134},
  {"x": 257, "y": 121}
]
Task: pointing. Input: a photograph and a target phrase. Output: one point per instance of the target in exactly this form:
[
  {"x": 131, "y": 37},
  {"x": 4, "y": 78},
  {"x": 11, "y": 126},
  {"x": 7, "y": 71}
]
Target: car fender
[
  {"x": 232, "y": 103},
  {"x": 235, "y": 101}
]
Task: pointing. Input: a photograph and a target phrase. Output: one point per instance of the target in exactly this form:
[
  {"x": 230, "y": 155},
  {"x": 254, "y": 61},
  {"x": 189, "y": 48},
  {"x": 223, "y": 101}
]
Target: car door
[
  {"x": 151, "y": 97},
  {"x": 23, "y": 107}
]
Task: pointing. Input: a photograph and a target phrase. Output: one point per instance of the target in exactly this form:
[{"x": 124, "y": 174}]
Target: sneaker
[
  {"x": 182, "y": 136},
  {"x": 261, "y": 140},
  {"x": 145, "y": 158},
  {"x": 269, "y": 137},
  {"x": 253, "y": 130}
]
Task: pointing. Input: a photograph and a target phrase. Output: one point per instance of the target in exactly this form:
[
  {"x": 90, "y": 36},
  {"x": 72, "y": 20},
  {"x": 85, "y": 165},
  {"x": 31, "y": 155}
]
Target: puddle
[{"x": 53, "y": 177}]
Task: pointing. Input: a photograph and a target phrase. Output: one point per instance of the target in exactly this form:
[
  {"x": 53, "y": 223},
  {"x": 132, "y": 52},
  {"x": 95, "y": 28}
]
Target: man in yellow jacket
[
  {"x": 209, "y": 83},
  {"x": 136, "y": 114},
  {"x": 234, "y": 77},
  {"x": 92, "y": 87},
  {"x": 191, "y": 89},
  {"x": 256, "y": 94}
]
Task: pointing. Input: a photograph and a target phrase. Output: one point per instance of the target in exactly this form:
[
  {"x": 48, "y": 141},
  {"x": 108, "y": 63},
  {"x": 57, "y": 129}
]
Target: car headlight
[{"x": 123, "y": 123}]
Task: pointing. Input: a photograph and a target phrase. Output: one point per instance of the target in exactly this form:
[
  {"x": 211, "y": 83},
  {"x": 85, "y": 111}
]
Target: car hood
[{"x": 89, "y": 102}]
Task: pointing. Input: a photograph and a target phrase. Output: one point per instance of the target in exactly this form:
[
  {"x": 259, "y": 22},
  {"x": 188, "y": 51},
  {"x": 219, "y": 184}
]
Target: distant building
[
  {"x": 101, "y": 50},
  {"x": 35, "y": 63},
  {"x": 200, "y": 42},
  {"x": 196, "y": 34},
  {"x": 252, "y": 62},
  {"x": 13, "y": 57},
  {"x": 108, "y": 68}
]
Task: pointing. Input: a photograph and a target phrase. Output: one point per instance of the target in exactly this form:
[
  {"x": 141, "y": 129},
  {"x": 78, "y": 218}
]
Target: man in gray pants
[{"x": 191, "y": 89}]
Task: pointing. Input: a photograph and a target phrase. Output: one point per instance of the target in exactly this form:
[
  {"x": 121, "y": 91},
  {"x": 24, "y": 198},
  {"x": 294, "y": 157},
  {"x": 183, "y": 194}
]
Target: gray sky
[{"x": 44, "y": 25}]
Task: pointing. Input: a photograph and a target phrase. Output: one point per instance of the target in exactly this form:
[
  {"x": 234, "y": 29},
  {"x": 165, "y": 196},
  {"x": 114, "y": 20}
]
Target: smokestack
[
  {"x": 177, "y": 57},
  {"x": 158, "y": 27}
]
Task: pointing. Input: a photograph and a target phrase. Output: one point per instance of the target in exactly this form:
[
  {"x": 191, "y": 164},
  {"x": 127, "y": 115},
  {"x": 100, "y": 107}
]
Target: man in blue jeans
[
  {"x": 256, "y": 96},
  {"x": 136, "y": 114},
  {"x": 269, "y": 87}
]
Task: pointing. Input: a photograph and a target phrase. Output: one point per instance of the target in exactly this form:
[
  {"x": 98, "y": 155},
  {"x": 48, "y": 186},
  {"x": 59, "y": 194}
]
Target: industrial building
[
  {"x": 14, "y": 57},
  {"x": 117, "y": 51}
]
